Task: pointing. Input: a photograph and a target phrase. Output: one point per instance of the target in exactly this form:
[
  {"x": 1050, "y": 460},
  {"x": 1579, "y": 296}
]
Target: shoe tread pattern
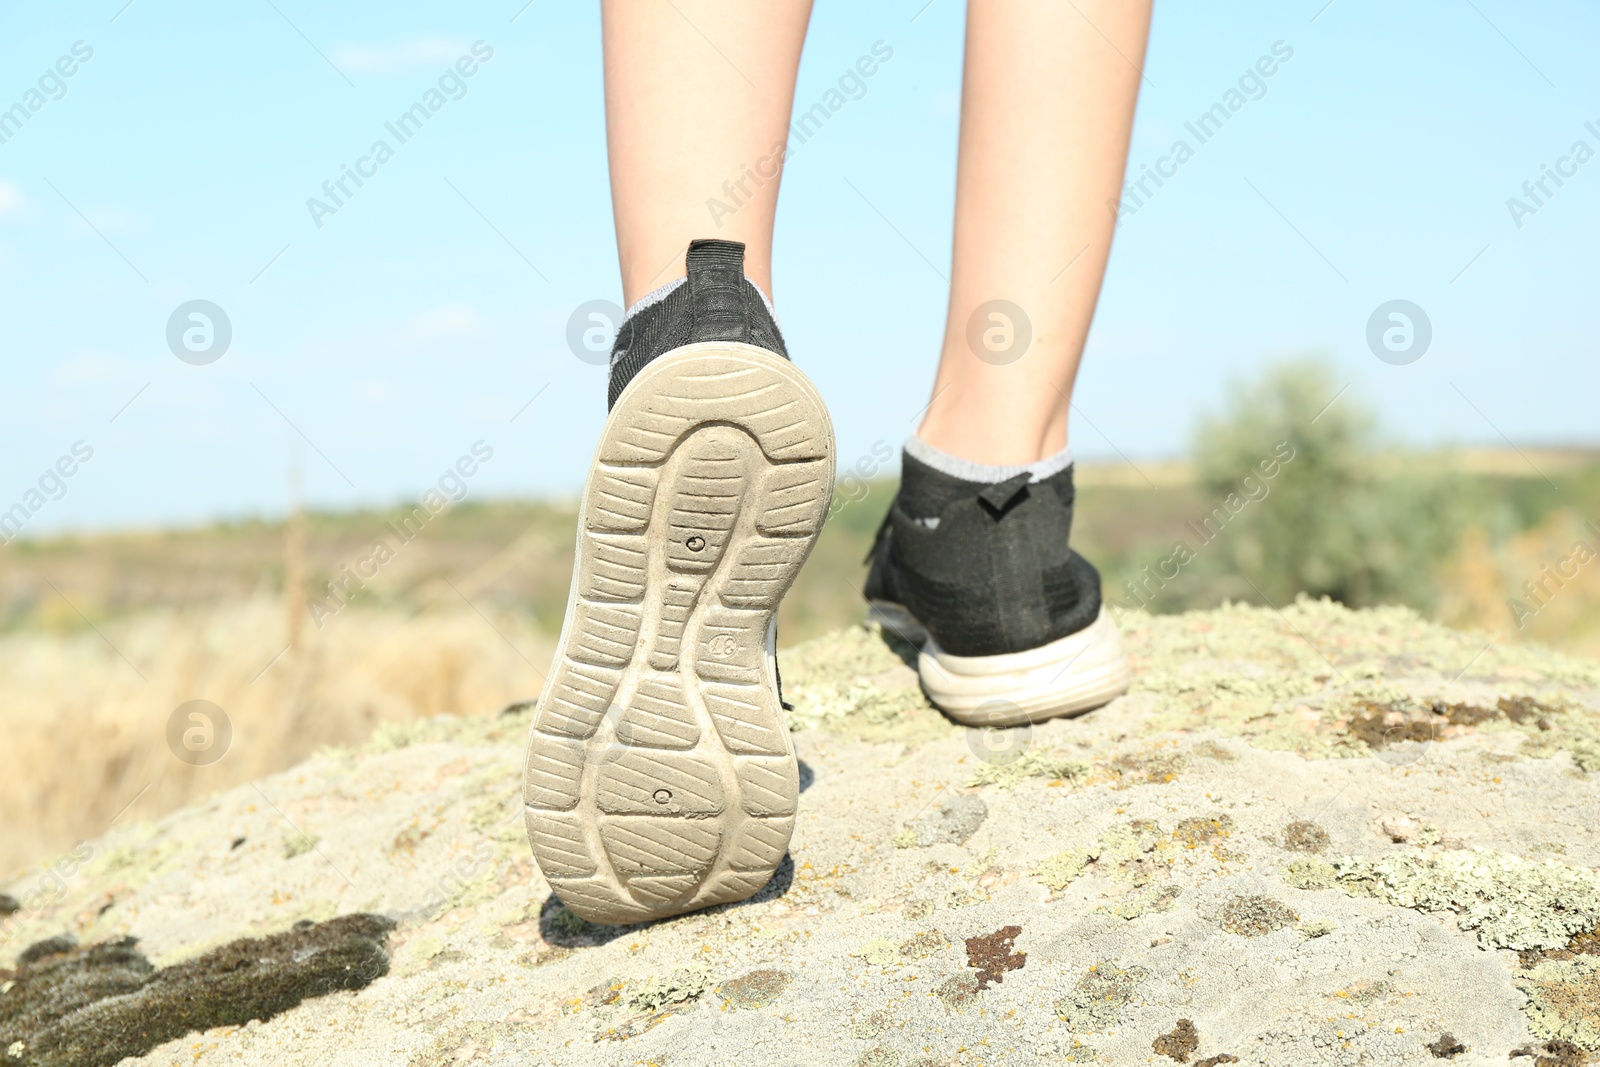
[{"x": 660, "y": 776}]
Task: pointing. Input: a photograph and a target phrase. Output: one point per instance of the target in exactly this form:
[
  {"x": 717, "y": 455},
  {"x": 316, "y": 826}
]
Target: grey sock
[
  {"x": 988, "y": 473},
  {"x": 655, "y": 296}
]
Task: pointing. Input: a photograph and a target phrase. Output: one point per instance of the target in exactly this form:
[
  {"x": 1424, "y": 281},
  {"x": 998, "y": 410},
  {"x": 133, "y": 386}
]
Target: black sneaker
[
  {"x": 1009, "y": 617},
  {"x": 660, "y": 775}
]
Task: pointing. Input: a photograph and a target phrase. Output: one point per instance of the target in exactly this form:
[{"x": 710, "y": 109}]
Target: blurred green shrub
[{"x": 1335, "y": 515}]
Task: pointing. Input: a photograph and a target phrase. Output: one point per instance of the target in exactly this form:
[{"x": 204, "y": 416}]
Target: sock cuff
[
  {"x": 987, "y": 473},
  {"x": 655, "y": 296}
]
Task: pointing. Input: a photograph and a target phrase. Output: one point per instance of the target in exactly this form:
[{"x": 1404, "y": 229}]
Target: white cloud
[
  {"x": 10, "y": 198},
  {"x": 102, "y": 221},
  {"x": 400, "y": 57},
  {"x": 82, "y": 368},
  {"x": 445, "y": 321}
]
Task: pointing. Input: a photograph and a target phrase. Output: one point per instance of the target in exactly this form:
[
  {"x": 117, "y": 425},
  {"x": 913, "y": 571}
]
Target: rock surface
[{"x": 1308, "y": 837}]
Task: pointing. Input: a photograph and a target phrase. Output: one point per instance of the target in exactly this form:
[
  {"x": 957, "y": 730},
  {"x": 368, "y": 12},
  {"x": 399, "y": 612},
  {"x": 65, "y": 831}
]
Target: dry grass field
[
  {"x": 102, "y": 638},
  {"x": 86, "y": 713}
]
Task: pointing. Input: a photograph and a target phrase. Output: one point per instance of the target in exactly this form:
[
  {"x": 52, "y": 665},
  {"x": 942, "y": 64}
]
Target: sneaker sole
[
  {"x": 1069, "y": 676},
  {"x": 660, "y": 776}
]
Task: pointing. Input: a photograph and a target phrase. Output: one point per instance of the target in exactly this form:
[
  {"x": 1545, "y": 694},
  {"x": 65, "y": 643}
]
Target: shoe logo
[
  {"x": 999, "y": 332},
  {"x": 723, "y": 646}
]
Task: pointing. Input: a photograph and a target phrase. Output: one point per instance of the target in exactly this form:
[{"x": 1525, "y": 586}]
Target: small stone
[{"x": 1400, "y": 828}]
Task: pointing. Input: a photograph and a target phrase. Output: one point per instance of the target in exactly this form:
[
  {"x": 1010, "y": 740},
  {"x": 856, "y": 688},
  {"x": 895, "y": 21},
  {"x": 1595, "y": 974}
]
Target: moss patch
[{"x": 91, "y": 1007}]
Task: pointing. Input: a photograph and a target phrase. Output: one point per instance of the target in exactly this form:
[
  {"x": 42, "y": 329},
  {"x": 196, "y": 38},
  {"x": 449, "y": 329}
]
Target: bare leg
[
  {"x": 698, "y": 95},
  {"x": 1046, "y": 109}
]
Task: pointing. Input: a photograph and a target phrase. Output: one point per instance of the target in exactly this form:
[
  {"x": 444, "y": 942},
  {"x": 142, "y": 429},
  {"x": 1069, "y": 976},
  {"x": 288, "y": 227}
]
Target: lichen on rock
[
  {"x": 855, "y": 681},
  {"x": 1100, "y": 995},
  {"x": 1564, "y": 1000},
  {"x": 1008, "y": 774},
  {"x": 681, "y": 986},
  {"x": 1511, "y": 902},
  {"x": 1256, "y": 916},
  {"x": 756, "y": 989},
  {"x": 1062, "y": 869},
  {"x": 1309, "y": 872}
]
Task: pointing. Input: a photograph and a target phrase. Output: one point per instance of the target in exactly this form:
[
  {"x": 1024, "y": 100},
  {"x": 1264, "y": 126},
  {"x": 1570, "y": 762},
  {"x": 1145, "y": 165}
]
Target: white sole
[
  {"x": 660, "y": 776},
  {"x": 1074, "y": 674}
]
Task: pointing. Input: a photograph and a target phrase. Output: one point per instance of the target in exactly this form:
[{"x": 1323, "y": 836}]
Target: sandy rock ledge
[{"x": 1308, "y": 837}]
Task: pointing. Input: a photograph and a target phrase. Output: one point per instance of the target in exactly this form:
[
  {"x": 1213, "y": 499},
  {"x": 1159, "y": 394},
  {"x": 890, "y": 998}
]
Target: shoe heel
[{"x": 1075, "y": 674}]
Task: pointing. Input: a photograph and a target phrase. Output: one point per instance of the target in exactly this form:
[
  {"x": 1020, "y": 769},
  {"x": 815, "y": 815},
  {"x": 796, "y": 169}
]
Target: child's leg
[
  {"x": 698, "y": 95},
  {"x": 1047, "y": 105}
]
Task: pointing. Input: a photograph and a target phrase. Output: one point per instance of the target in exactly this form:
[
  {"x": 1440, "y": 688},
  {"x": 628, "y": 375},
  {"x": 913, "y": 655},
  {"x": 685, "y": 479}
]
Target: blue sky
[{"x": 175, "y": 163}]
